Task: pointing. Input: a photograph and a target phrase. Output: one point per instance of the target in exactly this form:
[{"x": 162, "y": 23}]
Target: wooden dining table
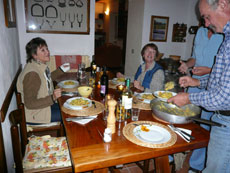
[{"x": 90, "y": 153}]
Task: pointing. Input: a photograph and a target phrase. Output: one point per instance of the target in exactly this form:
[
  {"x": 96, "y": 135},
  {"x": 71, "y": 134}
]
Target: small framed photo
[
  {"x": 9, "y": 10},
  {"x": 159, "y": 28}
]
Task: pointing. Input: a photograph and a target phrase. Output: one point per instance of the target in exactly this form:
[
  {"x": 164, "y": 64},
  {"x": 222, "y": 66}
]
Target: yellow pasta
[
  {"x": 176, "y": 111},
  {"x": 169, "y": 86},
  {"x": 69, "y": 83},
  {"x": 147, "y": 96},
  {"x": 120, "y": 79},
  {"x": 79, "y": 102},
  {"x": 166, "y": 95}
]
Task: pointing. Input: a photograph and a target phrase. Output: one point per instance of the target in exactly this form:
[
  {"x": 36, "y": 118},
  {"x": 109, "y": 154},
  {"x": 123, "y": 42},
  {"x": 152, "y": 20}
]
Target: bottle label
[
  {"x": 128, "y": 103},
  {"x": 124, "y": 97},
  {"x": 103, "y": 87}
]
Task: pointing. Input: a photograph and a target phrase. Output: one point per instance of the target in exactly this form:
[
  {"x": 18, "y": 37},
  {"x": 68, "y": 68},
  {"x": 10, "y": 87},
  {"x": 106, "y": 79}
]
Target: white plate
[
  {"x": 62, "y": 84},
  {"x": 155, "y": 135},
  {"x": 156, "y": 93},
  {"x": 139, "y": 96},
  {"x": 115, "y": 82},
  {"x": 69, "y": 106}
]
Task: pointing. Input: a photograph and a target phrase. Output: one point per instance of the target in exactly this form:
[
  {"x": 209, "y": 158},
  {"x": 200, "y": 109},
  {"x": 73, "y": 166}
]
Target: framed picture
[
  {"x": 159, "y": 28},
  {"x": 9, "y": 10},
  {"x": 59, "y": 17}
]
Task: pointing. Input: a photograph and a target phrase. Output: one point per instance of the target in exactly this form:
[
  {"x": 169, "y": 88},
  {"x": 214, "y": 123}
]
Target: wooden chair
[
  {"x": 52, "y": 129},
  {"x": 29, "y": 149}
]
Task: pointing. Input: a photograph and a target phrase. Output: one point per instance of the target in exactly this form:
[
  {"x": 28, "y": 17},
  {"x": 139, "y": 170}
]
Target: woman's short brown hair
[
  {"x": 151, "y": 45},
  {"x": 31, "y": 47}
]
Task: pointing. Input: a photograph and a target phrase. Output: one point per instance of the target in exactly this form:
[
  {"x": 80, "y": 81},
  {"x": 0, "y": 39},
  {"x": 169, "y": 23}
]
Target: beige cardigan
[{"x": 32, "y": 85}]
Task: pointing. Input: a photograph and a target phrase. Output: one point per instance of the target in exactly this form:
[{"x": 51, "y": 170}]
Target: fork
[{"x": 183, "y": 133}]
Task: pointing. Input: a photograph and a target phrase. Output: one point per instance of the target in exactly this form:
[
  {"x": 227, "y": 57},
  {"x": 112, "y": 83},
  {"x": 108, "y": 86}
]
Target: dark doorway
[{"x": 110, "y": 34}]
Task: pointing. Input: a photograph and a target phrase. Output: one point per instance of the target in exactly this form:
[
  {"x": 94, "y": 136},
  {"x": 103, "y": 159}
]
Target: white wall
[
  {"x": 134, "y": 36},
  {"x": 59, "y": 44},
  {"x": 178, "y": 11},
  {"x": 9, "y": 62}
]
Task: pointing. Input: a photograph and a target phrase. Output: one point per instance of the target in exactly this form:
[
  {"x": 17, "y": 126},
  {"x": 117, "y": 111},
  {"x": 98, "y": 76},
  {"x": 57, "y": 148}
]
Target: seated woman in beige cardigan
[{"x": 36, "y": 86}]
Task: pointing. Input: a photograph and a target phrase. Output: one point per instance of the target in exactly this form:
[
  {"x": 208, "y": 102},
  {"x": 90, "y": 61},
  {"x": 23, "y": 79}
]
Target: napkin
[
  {"x": 185, "y": 130},
  {"x": 85, "y": 121},
  {"x": 65, "y": 67}
]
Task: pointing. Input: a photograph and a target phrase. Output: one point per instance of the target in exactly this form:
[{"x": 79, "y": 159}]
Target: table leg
[{"x": 162, "y": 164}]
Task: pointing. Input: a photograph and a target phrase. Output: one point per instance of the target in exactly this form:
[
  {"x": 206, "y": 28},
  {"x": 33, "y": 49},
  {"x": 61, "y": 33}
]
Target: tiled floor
[{"x": 133, "y": 168}]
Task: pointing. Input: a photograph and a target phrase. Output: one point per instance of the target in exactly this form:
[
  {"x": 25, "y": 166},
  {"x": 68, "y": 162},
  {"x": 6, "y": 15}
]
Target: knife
[{"x": 79, "y": 118}]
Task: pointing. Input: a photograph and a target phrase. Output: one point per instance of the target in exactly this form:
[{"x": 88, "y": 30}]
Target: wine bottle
[
  {"x": 104, "y": 83},
  {"x": 127, "y": 99}
]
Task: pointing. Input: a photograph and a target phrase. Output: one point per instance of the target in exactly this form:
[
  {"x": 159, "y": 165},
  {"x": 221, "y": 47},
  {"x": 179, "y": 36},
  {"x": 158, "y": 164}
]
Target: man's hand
[
  {"x": 56, "y": 93},
  {"x": 186, "y": 81},
  {"x": 200, "y": 71},
  {"x": 183, "y": 67},
  {"x": 180, "y": 99}
]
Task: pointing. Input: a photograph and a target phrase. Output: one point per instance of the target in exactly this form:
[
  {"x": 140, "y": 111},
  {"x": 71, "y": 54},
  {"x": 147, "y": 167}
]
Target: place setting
[
  {"x": 115, "y": 82},
  {"x": 142, "y": 100},
  {"x": 81, "y": 108},
  {"x": 149, "y": 134},
  {"x": 69, "y": 87}
]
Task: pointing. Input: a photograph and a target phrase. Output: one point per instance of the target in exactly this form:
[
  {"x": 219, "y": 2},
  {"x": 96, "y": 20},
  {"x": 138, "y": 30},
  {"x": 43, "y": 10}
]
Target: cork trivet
[
  {"x": 140, "y": 105},
  {"x": 158, "y": 119},
  {"x": 128, "y": 133},
  {"x": 87, "y": 111}
]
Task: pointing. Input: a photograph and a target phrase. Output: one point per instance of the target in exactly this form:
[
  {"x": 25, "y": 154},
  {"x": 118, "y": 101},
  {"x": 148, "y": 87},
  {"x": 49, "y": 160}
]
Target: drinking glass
[
  {"x": 135, "y": 114},
  {"x": 81, "y": 71},
  {"x": 120, "y": 112}
]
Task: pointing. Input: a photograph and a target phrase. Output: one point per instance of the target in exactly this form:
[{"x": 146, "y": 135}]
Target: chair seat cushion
[{"x": 46, "y": 151}]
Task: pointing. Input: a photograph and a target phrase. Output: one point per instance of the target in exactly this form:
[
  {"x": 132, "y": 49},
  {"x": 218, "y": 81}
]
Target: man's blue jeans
[
  {"x": 218, "y": 160},
  {"x": 198, "y": 157}
]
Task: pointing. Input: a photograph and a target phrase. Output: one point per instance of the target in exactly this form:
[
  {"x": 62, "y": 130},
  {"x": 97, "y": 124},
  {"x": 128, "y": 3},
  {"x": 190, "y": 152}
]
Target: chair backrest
[
  {"x": 74, "y": 60},
  {"x": 19, "y": 136},
  {"x": 52, "y": 129}
]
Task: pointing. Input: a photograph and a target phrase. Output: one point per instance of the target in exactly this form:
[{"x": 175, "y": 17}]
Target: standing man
[
  {"x": 216, "y": 14},
  {"x": 205, "y": 48}
]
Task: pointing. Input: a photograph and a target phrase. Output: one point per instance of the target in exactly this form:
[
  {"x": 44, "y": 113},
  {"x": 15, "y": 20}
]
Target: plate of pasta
[
  {"x": 164, "y": 95},
  {"x": 145, "y": 97},
  {"x": 77, "y": 103},
  {"x": 118, "y": 81},
  {"x": 68, "y": 84}
]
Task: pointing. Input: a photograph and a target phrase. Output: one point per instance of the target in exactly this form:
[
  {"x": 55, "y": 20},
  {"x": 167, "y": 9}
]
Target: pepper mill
[{"x": 111, "y": 120}]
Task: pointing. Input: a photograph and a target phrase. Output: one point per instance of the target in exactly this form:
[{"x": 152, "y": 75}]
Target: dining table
[{"x": 89, "y": 152}]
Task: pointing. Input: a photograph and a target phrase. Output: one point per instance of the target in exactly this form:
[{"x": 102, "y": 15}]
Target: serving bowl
[
  {"x": 85, "y": 91},
  {"x": 166, "y": 112}
]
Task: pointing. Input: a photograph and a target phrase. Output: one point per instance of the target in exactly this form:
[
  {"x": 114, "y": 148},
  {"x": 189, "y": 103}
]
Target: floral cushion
[{"x": 46, "y": 151}]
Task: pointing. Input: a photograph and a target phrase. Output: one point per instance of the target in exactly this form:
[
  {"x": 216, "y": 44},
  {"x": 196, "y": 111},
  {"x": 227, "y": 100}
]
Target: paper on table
[{"x": 85, "y": 121}]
